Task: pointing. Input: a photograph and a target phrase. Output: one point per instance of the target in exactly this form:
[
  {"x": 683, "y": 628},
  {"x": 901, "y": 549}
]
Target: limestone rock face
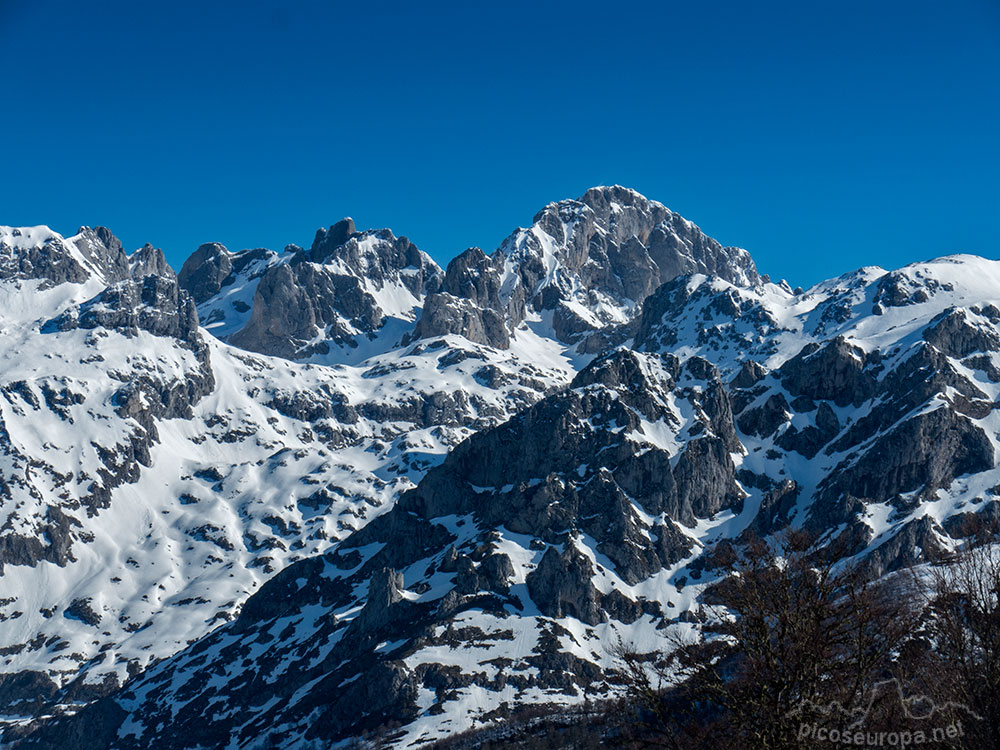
[
  {"x": 326, "y": 301},
  {"x": 834, "y": 371},
  {"x": 149, "y": 261},
  {"x": 293, "y": 304},
  {"x": 206, "y": 271},
  {"x": 445, "y": 314},
  {"x": 954, "y": 334},
  {"x": 154, "y": 303},
  {"x": 561, "y": 586}
]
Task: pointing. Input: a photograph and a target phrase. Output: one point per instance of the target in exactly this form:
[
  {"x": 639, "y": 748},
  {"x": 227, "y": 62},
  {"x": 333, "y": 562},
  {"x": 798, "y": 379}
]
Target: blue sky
[{"x": 821, "y": 136}]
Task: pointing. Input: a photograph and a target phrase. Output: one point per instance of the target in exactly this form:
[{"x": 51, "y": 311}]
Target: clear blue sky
[{"x": 821, "y": 136}]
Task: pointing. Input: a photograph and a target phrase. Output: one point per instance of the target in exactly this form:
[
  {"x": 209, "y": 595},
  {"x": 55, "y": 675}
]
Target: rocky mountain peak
[
  {"x": 150, "y": 261},
  {"x": 330, "y": 301},
  {"x": 205, "y": 271},
  {"x": 328, "y": 240},
  {"x": 438, "y": 531},
  {"x": 42, "y": 254},
  {"x": 375, "y": 254},
  {"x": 581, "y": 271},
  {"x": 584, "y": 265}
]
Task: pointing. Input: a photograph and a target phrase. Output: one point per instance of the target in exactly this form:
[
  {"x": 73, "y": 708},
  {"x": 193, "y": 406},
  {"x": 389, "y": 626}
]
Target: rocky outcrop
[
  {"x": 922, "y": 454},
  {"x": 298, "y": 310},
  {"x": 834, "y": 371},
  {"x": 155, "y": 304},
  {"x": 470, "y": 303},
  {"x": 445, "y": 314},
  {"x": 809, "y": 440},
  {"x": 765, "y": 419},
  {"x": 304, "y": 303},
  {"x": 727, "y": 409},
  {"x": 375, "y": 255},
  {"x": 149, "y": 261},
  {"x": 561, "y": 586},
  {"x": 206, "y": 271},
  {"x": 953, "y": 334}
]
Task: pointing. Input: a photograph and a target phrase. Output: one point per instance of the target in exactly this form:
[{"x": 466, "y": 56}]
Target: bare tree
[
  {"x": 964, "y": 630},
  {"x": 791, "y": 630}
]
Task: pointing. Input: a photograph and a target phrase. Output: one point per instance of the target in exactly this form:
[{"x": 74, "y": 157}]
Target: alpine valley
[{"x": 285, "y": 499}]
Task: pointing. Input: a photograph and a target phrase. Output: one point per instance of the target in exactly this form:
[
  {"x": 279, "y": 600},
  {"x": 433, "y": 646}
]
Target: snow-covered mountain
[
  {"x": 387, "y": 496},
  {"x": 152, "y": 476}
]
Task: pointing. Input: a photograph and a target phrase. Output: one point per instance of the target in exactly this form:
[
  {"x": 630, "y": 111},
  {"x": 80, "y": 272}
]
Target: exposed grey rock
[
  {"x": 749, "y": 375},
  {"x": 560, "y": 586},
  {"x": 385, "y": 592},
  {"x": 981, "y": 522},
  {"x": 765, "y": 419},
  {"x": 293, "y": 304},
  {"x": 310, "y": 302},
  {"x": 154, "y": 304},
  {"x": 149, "y": 261},
  {"x": 327, "y": 241},
  {"x": 923, "y": 453},
  {"x": 952, "y": 333},
  {"x": 206, "y": 271},
  {"x": 611, "y": 245},
  {"x": 495, "y": 572},
  {"x": 776, "y": 509},
  {"x": 810, "y": 440},
  {"x": 82, "y": 609},
  {"x": 834, "y": 371},
  {"x": 103, "y": 251},
  {"x": 377, "y": 255},
  {"x": 445, "y": 314},
  {"x": 910, "y": 384},
  {"x": 898, "y": 289},
  {"x": 705, "y": 479},
  {"x": 917, "y": 542},
  {"x": 57, "y": 260}
]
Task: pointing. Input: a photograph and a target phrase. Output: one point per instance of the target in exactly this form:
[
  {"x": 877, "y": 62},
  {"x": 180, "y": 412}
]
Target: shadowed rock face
[
  {"x": 926, "y": 452},
  {"x": 834, "y": 371},
  {"x": 952, "y": 333},
  {"x": 155, "y": 304},
  {"x": 579, "y": 479},
  {"x": 206, "y": 271}
]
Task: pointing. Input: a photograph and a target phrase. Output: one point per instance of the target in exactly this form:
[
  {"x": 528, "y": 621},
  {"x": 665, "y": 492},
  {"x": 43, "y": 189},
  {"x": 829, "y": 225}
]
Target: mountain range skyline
[
  {"x": 177, "y": 258},
  {"x": 820, "y": 137}
]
